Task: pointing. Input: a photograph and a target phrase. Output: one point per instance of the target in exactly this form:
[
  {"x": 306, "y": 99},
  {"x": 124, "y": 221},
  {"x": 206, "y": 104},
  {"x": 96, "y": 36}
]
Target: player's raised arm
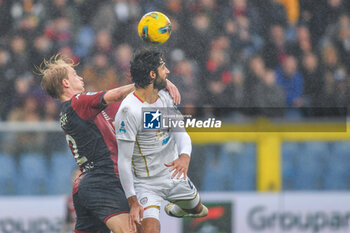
[
  {"x": 118, "y": 94},
  {"x": 174, "y": 92}
]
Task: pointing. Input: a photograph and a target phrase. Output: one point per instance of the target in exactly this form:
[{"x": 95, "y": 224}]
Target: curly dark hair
[{"x": 144, "y": 61}]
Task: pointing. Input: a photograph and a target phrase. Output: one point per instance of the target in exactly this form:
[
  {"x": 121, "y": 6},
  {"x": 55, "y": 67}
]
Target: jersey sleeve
[
  {"x": 126, "y": 124},
  {"x": 125, "y": 150},
  {"x": 88, "y": 105}
]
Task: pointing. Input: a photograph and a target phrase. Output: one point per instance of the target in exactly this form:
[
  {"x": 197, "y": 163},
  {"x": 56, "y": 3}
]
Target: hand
[
  {"x": 174, "y": 92},
  {"x": 180, "y": 166},
  {"x": 136, "y": 213}
]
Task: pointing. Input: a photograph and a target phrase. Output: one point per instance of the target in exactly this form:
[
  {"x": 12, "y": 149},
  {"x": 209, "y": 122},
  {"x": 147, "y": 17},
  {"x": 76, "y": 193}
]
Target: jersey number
[{"x": 80, "y": 159}]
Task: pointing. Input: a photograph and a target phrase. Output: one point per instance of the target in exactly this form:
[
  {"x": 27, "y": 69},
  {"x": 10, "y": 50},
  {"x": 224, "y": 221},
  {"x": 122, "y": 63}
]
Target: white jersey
[{"x": 152, "y": 148}]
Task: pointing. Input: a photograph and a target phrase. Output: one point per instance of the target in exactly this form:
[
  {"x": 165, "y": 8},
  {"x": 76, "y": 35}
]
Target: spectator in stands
[
  {"x": 99, "y": 74},
  {"x": 342, "y": 39},
  {"x": 42, "y": 47},
  {"x": 333, "y": 72},
  {"x": 27, "y": 27},
  {"x": 292, "y": 82},
  {"x": 324, "y": 15},
  {"x": 103, "y": 44},
  {"x": 177, "y": 43},
  {"x": 8, "y": 78},
  {"x": 60, "y": 31},
  {"x": 19, "y": 53},
  {"x": 292, "y": 10},
  {"x": 313, "y": 80},
  {"x": 269, "y": 97},
  {"x": 67, "y": 51},
  {"x": 61, "y": 9},
  {"x": 186, "y": 79},
  {"x": 275, "y": 50},
  {"x": 302, "y": 44},
  {"x": 335, "y": 77},
  {"x": 115, "y": 16},
  {"x": 272, "y": 12},
  {"x": 83, "y": 42},
  {"x": 255, "y": 70},
  {"x": 122, "y": 57},
  {"x": 218, "y": 79},
  {"x": 5, "y": 17},
  {"x": 243, "y": 9},
  {"x": 199, "y": 34}
]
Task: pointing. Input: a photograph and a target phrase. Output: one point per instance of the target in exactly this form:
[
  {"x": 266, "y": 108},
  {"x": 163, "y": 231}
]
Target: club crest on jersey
[
  {"x": 122, "y": 127},
  {"x": 63, "y": 120},
  {"x": 144, "y": 200},
  {"x": 152, "y": 119}
]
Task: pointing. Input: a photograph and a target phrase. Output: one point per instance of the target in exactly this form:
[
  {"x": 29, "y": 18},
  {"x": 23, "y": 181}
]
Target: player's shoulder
[
  {"x": 130, "y": 104},
  {"x": 164, "y": 94},
  {"x": 128, "y": 98}
]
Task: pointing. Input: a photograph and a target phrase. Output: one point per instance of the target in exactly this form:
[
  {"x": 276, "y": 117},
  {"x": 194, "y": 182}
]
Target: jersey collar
[{"x": 138, "y": 96}]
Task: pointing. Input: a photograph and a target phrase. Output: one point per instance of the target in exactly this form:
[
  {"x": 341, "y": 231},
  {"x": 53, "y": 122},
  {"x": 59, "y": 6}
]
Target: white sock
[
  {"x": 176, "y": 210},
  {"x": 203, "y": 213}
]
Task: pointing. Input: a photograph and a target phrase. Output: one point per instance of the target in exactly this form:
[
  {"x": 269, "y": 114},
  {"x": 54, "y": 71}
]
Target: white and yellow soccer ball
[{"x": 154, "y": 27}]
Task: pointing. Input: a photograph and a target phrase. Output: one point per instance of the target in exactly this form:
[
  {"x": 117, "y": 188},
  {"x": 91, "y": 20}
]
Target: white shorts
[{"x": 152, "y": 191}]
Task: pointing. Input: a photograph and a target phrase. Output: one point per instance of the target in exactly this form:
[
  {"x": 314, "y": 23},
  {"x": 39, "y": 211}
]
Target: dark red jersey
[{"x": 90, "y": 132}]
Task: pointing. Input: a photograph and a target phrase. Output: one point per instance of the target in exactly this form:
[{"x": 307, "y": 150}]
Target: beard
[{"x": 159, "y": 83}]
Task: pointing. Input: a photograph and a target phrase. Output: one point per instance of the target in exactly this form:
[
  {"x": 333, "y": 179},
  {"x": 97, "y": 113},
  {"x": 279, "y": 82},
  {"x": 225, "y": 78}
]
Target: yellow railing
[{"x": 268, "y": 137}]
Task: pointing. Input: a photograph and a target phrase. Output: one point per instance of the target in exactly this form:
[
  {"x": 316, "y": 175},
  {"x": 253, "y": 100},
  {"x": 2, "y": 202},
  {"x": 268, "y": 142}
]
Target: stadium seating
[
  {"x": 32, "y": 175},
  {"x": 244, "y": 174},
  {"x": 337, "y": 174},
  {"x": 231, "y": 167},
  {"x": 61, "y": 167},
  {"x": 8, "y": 174},
  {"x": 289, "y": 152},
  {"x": 214, "y": 177},
  {"x": 310, "y": 165}
]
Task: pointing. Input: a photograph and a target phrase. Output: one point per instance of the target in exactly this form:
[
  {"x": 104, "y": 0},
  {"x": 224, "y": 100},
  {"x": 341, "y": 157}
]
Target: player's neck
[
  {"x": 67, "y": 95},
  {"x": 148, "y": 94}
]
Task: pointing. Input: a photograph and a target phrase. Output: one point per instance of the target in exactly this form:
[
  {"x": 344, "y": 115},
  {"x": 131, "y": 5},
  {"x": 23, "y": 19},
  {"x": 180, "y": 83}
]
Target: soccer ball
[{"x": 154, "y": 27}]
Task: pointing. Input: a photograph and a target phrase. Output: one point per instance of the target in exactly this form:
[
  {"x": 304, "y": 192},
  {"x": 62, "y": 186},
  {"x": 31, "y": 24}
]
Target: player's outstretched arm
[{"x": 118, "y": 94}]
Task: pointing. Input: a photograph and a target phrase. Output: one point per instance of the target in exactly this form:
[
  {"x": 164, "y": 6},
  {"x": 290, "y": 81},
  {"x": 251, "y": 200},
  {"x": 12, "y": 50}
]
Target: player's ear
[
  {"x": 65, "y": 82},
  {"x": 152, "y": 74}
]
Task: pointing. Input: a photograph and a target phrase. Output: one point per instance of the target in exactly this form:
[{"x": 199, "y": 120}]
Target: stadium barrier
[{"x": 230, "y": 212}]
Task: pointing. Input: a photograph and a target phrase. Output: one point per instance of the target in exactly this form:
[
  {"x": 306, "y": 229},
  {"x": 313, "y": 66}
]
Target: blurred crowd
[{"x": 231, "y": 54}]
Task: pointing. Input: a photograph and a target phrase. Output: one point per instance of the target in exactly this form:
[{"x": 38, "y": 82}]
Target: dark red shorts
[{"x": 97, "y": 198}]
